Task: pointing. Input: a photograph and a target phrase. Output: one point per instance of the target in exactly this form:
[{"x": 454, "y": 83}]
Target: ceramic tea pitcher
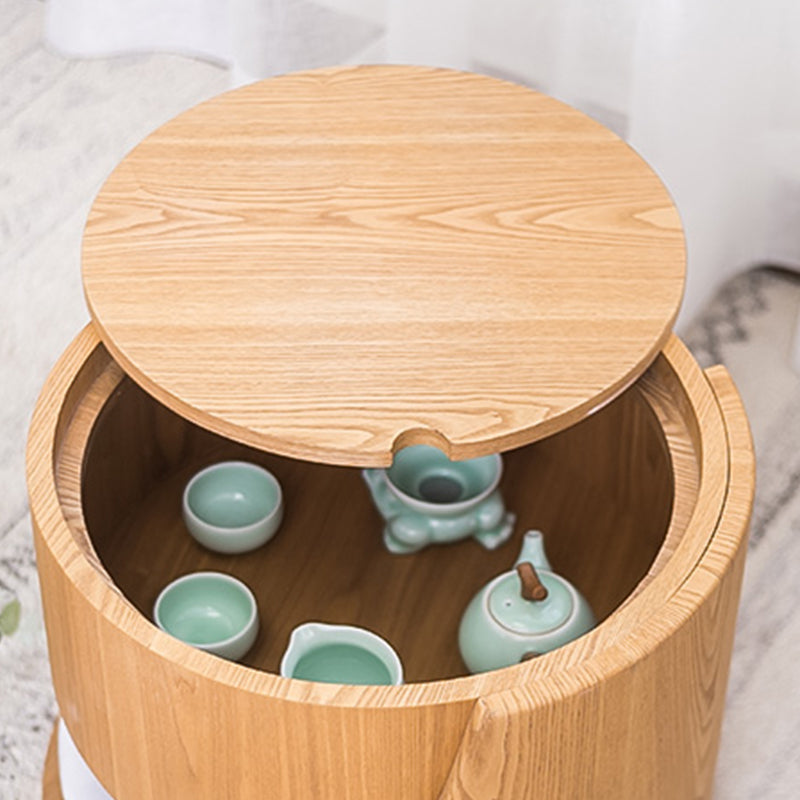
[
  {"x": 522, "y": 613},
  {"x": 425, "y": 498},
  {"x": 340, "y": 654}
]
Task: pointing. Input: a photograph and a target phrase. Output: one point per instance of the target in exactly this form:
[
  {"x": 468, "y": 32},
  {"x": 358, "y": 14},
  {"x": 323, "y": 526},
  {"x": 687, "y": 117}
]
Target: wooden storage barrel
[{"x": 635, "y": 462}]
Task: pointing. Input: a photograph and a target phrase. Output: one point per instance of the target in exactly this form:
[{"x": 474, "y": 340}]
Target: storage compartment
[{"x": 601, "y": 491}]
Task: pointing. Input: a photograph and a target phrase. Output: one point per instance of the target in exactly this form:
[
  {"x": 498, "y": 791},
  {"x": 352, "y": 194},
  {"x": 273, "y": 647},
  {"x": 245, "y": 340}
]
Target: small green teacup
[
  {"x": 233, "y": 506},
  {"x": 340, "y": 654},
  {"x": 211, "y": 611}
]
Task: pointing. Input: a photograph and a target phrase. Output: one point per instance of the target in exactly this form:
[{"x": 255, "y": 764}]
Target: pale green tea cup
[
  {"x": 233, "y": 506},
  {"x": 211, "y": 611}
]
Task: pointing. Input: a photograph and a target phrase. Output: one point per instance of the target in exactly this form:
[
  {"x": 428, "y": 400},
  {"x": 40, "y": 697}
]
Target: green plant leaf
[{"x": 9, "y": 618}]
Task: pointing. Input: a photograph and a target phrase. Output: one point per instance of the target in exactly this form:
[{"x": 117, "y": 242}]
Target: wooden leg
[{"x": 51, "y": 785}]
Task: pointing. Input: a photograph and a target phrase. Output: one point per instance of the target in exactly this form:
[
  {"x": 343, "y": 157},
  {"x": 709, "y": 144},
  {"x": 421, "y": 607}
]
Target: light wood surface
[
  {"x": 650, "y": 728},
  {"x": 332, "y": 264},
  {"x": 51, "y": 785},
  {"x": 115, "y": 674}
]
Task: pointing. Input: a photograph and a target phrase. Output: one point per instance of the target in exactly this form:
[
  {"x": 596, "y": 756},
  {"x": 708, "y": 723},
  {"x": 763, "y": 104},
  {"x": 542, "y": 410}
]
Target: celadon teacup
[
  {"x": 211, "y": 611},
  {"x": 233, "y": 506},
  {"x": 340, "y": 654},
  {"x": 425, "y": 498}
]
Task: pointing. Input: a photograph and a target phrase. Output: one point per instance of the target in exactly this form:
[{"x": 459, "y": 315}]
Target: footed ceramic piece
[
  {"x": 425, "y": 498},
  {"x": 211, "y": 611},
  {"x": 340, "y": 654},
  {"x": 233, "y": 506},
  {"x": 522, "y": 613}
]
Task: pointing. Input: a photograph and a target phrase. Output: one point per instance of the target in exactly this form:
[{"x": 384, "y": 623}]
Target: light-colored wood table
[{"x": 325, "y": 267}]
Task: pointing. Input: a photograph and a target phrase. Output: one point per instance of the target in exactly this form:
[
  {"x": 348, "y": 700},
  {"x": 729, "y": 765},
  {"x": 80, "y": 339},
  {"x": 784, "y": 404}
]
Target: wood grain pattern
[
  {"x": 668, "y": 686},
  {"x": 332, "y": 264},
  {"x": 115, "y": 674}
]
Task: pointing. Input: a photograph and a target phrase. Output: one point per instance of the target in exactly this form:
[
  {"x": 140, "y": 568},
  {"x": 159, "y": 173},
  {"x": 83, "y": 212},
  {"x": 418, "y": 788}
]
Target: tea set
[{"x": 425, "y": 499}]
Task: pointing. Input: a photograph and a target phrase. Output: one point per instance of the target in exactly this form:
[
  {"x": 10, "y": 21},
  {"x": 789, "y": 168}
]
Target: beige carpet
[{"x": 64, "y": 125}]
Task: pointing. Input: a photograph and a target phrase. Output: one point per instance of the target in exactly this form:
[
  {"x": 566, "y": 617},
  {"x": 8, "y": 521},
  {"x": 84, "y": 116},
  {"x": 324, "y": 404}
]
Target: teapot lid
[
  {"x": 333, "y": 264},
  {"x": 511, "y": 610}
]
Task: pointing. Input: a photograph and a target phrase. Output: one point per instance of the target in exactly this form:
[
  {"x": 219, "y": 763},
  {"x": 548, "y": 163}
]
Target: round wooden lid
[{"x": 334, "y": 264}]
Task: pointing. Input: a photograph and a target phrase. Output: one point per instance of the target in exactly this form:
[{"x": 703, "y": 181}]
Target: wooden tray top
[{"x": 333, "y": 264}]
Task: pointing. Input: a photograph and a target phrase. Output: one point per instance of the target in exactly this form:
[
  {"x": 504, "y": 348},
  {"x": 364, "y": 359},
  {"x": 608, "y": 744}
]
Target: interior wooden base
[
  {"x": 601, "y": 491},
  {"x": 51, "y": 785}
]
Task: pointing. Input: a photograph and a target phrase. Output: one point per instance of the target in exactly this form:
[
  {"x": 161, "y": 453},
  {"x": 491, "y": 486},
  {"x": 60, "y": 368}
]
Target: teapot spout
[{"x": 533, "y": 550}]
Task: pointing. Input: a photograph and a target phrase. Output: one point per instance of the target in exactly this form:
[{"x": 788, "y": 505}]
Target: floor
[{"x": 65, "y": 124}]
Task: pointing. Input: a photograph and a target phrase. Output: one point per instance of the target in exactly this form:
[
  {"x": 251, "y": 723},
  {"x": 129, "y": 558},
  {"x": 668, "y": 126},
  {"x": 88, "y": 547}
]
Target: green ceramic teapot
[{"x": 522, "y": 613}]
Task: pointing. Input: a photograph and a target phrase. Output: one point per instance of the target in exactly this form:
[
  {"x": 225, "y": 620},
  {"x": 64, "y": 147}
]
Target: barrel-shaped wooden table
[
  {"x": 311, "y": 273},
  {"x": 647, "y": 505}
]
